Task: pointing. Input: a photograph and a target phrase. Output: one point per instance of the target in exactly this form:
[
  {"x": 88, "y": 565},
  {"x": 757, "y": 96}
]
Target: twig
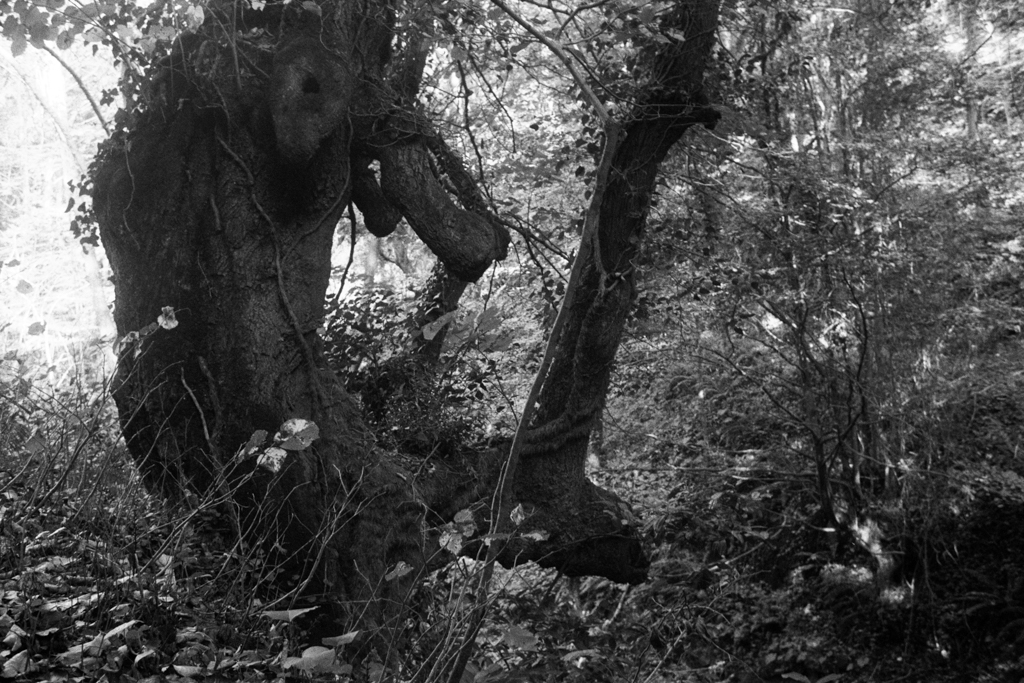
[
  {"x": 351, "y": 258},
  {"x": 81, "y": 86},
  {"x": 570, "y": 64}
]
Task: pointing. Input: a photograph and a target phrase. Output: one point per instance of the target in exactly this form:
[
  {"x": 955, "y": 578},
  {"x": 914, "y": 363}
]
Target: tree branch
[
  {"x": 560, "y": 52},
  {"x": 81, "y": 86}
]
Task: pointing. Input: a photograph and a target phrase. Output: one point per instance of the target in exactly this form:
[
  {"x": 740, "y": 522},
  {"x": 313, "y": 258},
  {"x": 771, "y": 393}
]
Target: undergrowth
[{"x": 102, "y": 581}]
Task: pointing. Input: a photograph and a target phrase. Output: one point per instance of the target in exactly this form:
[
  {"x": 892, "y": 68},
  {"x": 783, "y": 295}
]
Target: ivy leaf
[
  {"x": 272, "y": 459},
  {"x": 451, "y": 540},
  {"x": 167, "y": 319},
  {"x": 296, "y": 434},
  {"x": 195, "y": 16},
  {"x": 64, "y": 41}
]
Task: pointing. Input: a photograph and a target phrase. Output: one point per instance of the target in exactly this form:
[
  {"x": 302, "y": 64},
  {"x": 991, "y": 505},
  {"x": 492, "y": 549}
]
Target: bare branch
[
  {"x": 81, "y": 86},
  {"x": 564, "y": 56}
]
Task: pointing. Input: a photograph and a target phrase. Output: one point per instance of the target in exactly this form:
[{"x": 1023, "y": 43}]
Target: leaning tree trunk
[
  {"x": 217, "y": 207},
  {"x": 595, "y": 527}
]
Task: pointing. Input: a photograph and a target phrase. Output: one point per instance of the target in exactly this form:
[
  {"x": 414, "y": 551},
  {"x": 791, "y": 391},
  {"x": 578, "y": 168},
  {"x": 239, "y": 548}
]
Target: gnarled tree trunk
[{"x": 217, "y": 208}]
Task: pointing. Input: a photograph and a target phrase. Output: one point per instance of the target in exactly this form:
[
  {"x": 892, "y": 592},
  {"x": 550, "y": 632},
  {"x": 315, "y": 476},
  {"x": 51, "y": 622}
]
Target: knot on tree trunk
[{"x": 308, "y": 97}]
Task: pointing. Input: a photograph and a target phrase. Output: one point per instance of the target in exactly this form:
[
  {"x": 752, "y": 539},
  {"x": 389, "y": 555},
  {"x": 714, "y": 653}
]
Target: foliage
[{"x": 416, "y": 403}]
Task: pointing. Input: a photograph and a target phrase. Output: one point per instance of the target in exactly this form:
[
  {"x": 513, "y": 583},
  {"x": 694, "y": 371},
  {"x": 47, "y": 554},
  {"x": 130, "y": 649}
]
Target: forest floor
[{"x": 102, "y": 582}]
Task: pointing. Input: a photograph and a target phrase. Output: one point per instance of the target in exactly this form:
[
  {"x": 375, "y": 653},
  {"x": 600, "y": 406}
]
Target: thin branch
[
  {"x": 570, "y": 63},
  {"x": 81, "y": 86},
  {"x": 58, "y": 122},
  {"x": 351, "y": 257}
]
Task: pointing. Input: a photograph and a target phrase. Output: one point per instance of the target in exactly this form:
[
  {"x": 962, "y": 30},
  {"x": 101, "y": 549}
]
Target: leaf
[
  {"x": 297, "y": 434},
  {"x": 167, "y": 319},
  {"x": 255, "y": 442},
  {"x": 519, "y": 638},
  {"x": 272, "y": 459},
  {"x": 518, "y": 515},
  {"x": 118, "y": 630},
  {"x": 55, "y": 563},
  {"x": 287, "y": 614},
  {"x": 430, "y": 330},
  {"x": 317, "y": 659},
  {"x": 490, "y": 319},
  {"x": 451, "y": 540},
  {"x": 17, "y": 665},
  {"x": 195, "y": 17},
  {"x": 24, "y": 287},
  {"x": 830, "y": 678},
  {"x": 189, "y": 671},
  {"x": 465, "y": 523},
  {"x": 400, "y": 570},
  {"x": 338, "y": 641},
  {"x": 537, "y": 535},
  {"x": 72, "y": 657},
  {"x": 34, "y": 444},
  {"x": 792, "y": 675},
  {"x": 311, "y": 6},
  {"x": 36, "y": 328},
  {"x": 18, "y": 45},
  {"x": 579, "y": 654}
]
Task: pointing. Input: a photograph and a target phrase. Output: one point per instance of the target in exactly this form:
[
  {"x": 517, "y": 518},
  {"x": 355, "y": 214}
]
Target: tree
[{"x": 217, "y": 201}]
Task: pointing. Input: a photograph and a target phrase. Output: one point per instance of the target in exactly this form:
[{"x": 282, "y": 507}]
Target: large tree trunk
[{"x": 217, "y": 208}]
